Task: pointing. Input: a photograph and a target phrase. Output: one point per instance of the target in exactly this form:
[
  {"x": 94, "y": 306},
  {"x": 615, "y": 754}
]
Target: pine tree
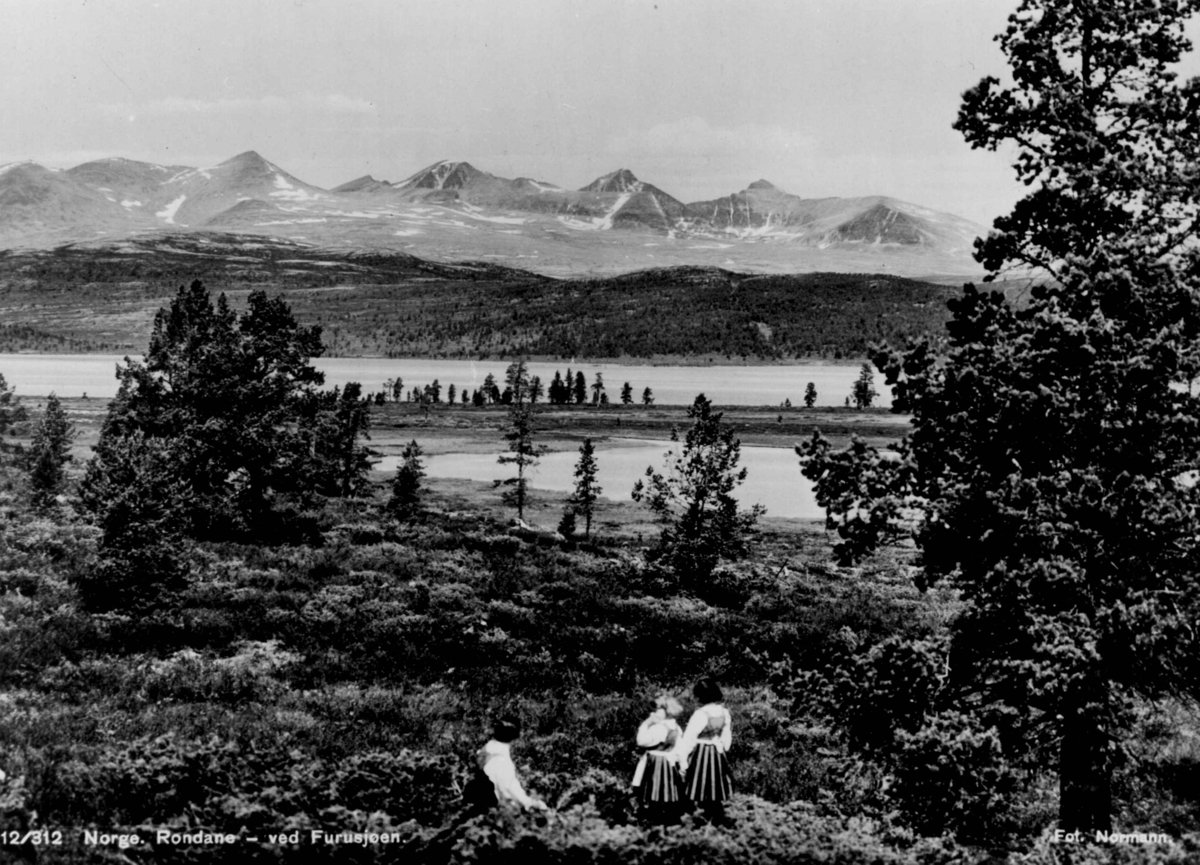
[
  {"x": 647, "y": 397},
  {"x": 580, "y": 391},
  {"x": 522, "y": 452},
  {"x": 12, "y": 413},
  {"x": 234, "y": 397},
  {"x": 694, "y": 499},
  {"x": 516, "y": 380},
  {"x": 587, "y": 490},
  {"x": 407, "y": 482},
  {"x": 863, "y": 393},
  {"x": 810, "y": 395},
  {"x": 1042, "y": 476},
  {"x": 597, "y": 389},
  {"x": 49, "y": 453},
  {"x": 627, "y": 394},
  {"x": 140, "y": 502},
  {"x": 341, "y": 418}
]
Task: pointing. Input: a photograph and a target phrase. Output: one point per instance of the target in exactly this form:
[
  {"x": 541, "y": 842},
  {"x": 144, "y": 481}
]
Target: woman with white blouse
[
  {"x": 657, "y": 782},
  {"x": 706, "y": 741}
]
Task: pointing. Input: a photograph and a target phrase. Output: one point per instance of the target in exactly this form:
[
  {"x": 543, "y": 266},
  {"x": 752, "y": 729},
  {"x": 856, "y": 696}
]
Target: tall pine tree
[{"x": 1044, "y": 476}]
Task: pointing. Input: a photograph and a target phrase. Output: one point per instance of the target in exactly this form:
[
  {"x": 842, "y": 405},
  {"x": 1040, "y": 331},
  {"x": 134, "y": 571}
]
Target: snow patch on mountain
[
  {"x": 286, "y": 191},
  {"x": 168, "y": 212},
  {"x": 292, "y": 221},
  {"x": 477, "y": 213},
  {"x": 599, "y": 223}
]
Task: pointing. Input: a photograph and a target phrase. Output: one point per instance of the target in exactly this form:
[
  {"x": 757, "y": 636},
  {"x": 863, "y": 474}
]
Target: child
[{"x": 657, "y": 784}]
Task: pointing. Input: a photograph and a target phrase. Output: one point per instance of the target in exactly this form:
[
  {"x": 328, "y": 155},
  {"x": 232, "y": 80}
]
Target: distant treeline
[
  {"x": 669, "y": 313},
  {"x": 16, "y": 338}
]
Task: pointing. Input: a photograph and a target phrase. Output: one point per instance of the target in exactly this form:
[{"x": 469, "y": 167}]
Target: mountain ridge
[{"x": 454, "y": 205}]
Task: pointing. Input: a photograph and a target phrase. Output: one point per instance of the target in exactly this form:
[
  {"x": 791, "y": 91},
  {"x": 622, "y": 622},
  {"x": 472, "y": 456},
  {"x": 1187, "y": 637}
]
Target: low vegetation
[{"x": 169, "y": 673}]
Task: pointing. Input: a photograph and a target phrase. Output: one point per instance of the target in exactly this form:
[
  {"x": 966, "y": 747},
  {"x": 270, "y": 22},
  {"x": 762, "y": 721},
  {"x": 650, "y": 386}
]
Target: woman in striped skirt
[
  {"x": 705, "y": 742},
  {"x": 657, "y": 783}
]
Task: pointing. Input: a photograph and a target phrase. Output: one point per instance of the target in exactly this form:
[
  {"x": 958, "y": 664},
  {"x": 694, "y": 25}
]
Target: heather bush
[{"x": 249, "y": 675}]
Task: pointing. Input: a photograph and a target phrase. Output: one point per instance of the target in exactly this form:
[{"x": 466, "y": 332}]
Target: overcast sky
[{"x": 699, "y": 97}]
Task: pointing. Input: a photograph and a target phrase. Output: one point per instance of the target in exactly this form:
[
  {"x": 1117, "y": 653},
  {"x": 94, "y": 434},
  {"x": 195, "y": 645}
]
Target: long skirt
[
  {"x": 660, "y": 781},
  {"x": 709, "y": 779}
]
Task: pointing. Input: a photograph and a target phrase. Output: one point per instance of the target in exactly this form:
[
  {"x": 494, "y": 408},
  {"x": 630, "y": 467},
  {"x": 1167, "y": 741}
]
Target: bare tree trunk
[{"x": 1084, "y": 771}]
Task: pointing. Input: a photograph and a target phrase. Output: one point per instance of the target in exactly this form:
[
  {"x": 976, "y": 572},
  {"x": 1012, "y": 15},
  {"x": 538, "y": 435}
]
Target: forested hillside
[{"x": 389, "y": 304}]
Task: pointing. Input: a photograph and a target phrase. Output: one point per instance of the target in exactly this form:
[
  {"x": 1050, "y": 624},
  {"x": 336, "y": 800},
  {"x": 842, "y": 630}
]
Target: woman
[
  {"x": 657, "y": 783},
  {"x": 495, "y": 782},
  {"x": 705, "y": 742}
]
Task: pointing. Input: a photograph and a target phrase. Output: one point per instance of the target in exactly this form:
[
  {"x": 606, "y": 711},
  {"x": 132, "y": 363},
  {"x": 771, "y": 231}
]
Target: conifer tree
[
  {"x": 234, "y": 397},
  {"x": 12, "y": 412},
  {"x": 523, "y": 452},
  {"x": 1043, "y": 474},
  {"x": 597, "y": 389},
  {"x": 140, "y": 501},
  {"x": 516, "y": 380},
  {"x": 587, "y": 490},
  {"x": 407, "y": 482},
  {"x": 694, "y": 498},
  {"x": 49, "y": 453},
  {"x": 863, "y": 393}
]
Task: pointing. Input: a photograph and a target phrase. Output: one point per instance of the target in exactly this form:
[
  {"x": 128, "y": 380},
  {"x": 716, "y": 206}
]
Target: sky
[{"x": 699, "y": 97}]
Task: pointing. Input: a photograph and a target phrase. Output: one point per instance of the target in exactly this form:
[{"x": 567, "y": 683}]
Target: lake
[
  {"x": 72, "y": 375},
  {"x": 773, "y": 476}
]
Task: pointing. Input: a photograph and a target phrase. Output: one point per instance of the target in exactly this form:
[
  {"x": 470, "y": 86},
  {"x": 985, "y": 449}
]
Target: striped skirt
[
  {"x": 660, "y": 782},
  {"x": 709, "y": 779}
]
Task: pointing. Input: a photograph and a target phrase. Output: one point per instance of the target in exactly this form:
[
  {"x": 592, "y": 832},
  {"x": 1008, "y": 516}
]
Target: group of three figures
[{"x": 678, "y": 768}]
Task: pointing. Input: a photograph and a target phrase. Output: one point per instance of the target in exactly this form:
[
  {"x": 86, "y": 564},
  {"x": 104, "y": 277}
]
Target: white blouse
[
  {"x": 502, "y": 772},
  {"x": 699, "y": 723}
]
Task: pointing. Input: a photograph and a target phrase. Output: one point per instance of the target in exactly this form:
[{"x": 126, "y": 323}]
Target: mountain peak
[
  {"x": 444, "y": 175},
  {"x": 248, "y": 159},
  {"x": 762, "y": 184},
  {"x": 366, "y": 183},
  {"x": 621, "y": 180}
]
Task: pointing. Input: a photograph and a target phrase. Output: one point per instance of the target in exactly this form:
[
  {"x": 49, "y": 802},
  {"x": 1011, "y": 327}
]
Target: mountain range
[{"x": 454, "y": 211}]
